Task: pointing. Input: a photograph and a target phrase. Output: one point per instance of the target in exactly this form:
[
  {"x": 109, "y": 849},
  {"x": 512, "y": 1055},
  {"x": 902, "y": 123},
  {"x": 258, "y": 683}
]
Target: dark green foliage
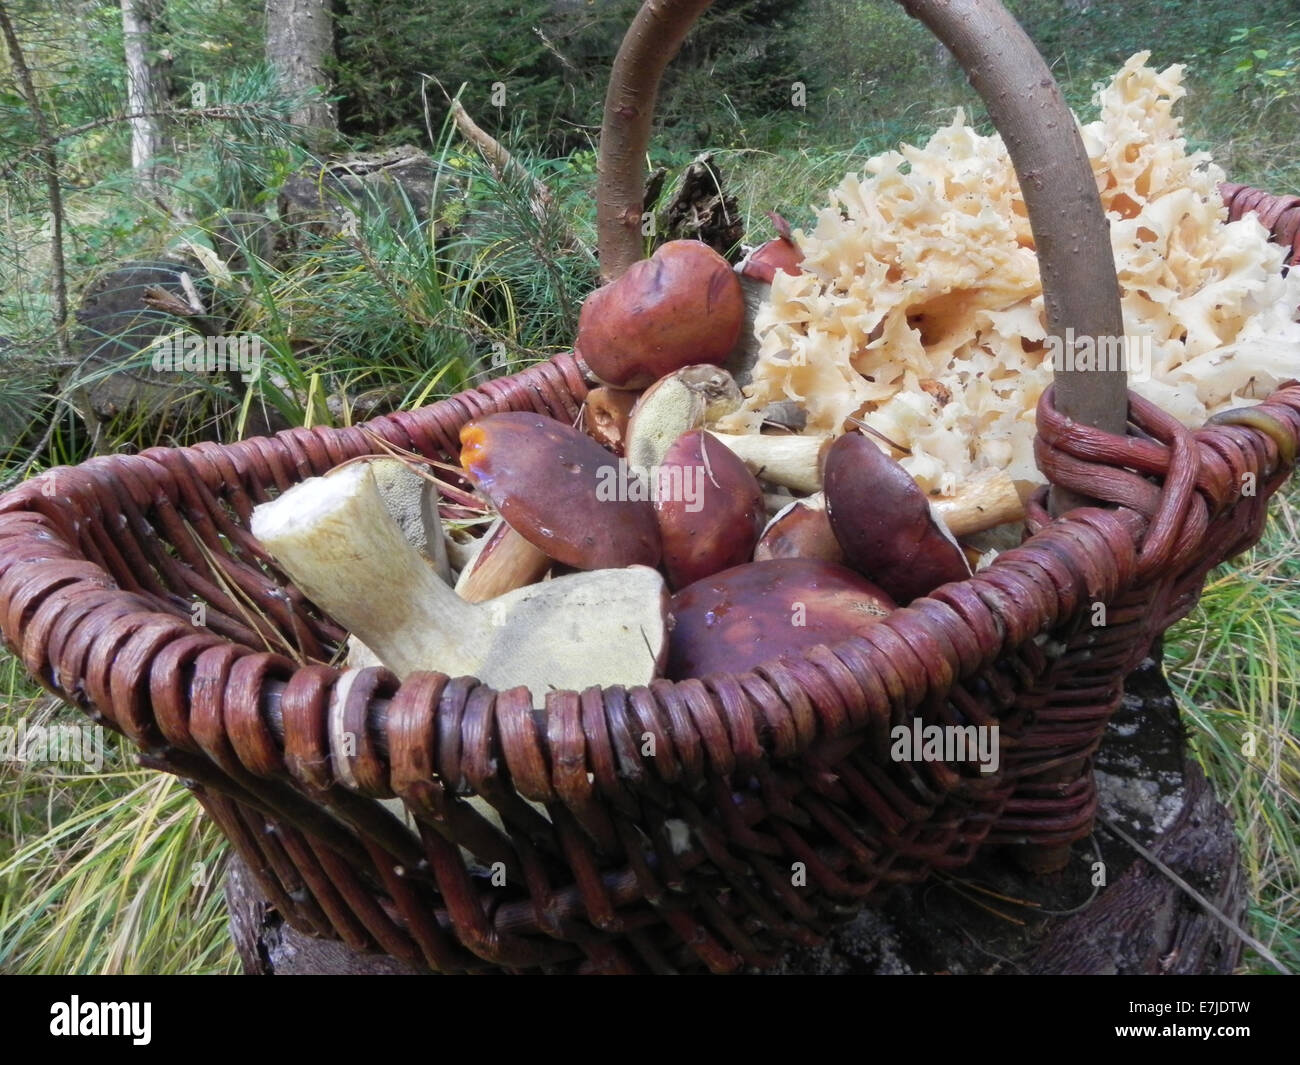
[
  {"x": 553, "y": 60},
  {"x": 739, "y": 65},
  {"x": 387, "y": 48},
  {"x": 1096, "y": 40}
]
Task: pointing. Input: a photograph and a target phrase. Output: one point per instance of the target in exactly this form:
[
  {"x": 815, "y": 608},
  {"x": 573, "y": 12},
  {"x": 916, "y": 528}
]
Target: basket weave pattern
[{"x": 770, "y": 808}]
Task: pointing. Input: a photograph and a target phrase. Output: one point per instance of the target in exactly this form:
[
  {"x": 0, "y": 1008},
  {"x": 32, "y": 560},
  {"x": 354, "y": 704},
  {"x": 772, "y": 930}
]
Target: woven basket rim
[
  {"x": 724, "y": 707},
  {"x": 990, "y": 595}
]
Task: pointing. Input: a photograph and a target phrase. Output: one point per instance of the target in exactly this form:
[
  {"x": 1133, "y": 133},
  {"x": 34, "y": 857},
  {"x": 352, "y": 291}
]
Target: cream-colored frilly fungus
[{"x": 920, "y": 306}]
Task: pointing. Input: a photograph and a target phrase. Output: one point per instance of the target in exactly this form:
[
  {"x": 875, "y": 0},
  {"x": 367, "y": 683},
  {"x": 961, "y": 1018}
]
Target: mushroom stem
[
  {"x": 337, "y": 541},
  {"x": 507, "y": 562},
  {"x": 987, "y": 500},
  {"x": 786, "y": 459},
  {"x": 460, "y": 555},
  {"x": 334, "y": 536}
]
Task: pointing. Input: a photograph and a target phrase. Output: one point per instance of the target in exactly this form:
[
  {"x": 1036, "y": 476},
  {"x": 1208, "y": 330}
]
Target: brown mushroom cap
[
  {"x": 683, "y": 305},
  {"x": 559, "y": 490},
  {"x": 764, "y": 261},
  {"x": 883, "y": 521},
  {"x": 709, "y": 506},
  {"x": 802, "y": 529},
  {"x": 747, "y": 615},
  {"x": 606, "y": 412}
]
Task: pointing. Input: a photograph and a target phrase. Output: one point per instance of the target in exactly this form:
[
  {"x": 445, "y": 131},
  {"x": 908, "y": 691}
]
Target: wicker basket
[{"x": 770, "y": 809}]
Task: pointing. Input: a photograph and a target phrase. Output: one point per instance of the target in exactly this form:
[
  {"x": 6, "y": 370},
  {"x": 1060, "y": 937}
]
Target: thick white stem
[
  {"x": 336, "y": 539},
  {"x": 985, "y": 501},
  {"x": 787, "y": 459}
]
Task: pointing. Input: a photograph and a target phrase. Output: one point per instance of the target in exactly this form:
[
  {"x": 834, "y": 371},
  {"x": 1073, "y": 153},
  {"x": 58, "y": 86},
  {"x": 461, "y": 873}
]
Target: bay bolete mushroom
[
  {"x": 780, "y": 253},
  {"x": 605, "y": 414},
  {"x": 692, "y": 398},
  {"x": 337, "y": 541},
  {"x": 678, "y": 402},
  {"x": 683, "y": 305},
  {"x": 800, "y": 529},
  {"x": 709, "y": 507},
  {"x": 559, "y": 490},
  {"x": 749, "y": 614},
  {"x": 884, "y": 522}
]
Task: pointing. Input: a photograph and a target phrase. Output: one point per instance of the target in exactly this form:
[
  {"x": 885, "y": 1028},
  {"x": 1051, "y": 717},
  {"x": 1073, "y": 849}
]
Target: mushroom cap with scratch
[
  {"x": 683, "y": 305},
  {"x": 709, "y": 506}
]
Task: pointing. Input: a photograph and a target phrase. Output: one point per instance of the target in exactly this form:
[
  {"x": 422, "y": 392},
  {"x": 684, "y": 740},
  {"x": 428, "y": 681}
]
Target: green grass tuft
[
  {"x": 1235, "y": 665},
  {"x": 110, "y": 872}
]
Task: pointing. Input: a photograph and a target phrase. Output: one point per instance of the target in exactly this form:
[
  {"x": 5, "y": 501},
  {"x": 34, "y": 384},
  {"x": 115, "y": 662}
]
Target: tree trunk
[
  {"x": 143, "y": 89},
  {"x": 300, "y": 45},
  {"x": 54, "y": 196}
]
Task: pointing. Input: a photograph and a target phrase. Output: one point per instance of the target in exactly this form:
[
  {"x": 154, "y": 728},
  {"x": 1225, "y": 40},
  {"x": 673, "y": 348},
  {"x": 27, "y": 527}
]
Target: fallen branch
[
  {"x": 498, "y": 157},
  {"x": 497, "y": 154},
  {"x": 549, "y": 45}
]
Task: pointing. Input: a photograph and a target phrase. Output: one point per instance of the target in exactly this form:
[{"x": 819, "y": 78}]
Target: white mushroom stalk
[
  {"x": 336, "y": 540},
  {"x": 986, "y": 500},
  {"x": 789, "y": 459}
]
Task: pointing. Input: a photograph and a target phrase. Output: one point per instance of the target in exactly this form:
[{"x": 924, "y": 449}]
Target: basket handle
[{"x": 1071, "y": 234}]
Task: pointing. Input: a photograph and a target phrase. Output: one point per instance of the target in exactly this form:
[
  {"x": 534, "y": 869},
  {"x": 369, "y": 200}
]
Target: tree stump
[
  {"x": 115, "y": 326},
  {"x": 702, "y": 210},
  {"x": 123, "y": 312},
  {"x": 991, "y": 918},
  {"x": 988, "y": 917},
  {"x": 325, "y": 199}
]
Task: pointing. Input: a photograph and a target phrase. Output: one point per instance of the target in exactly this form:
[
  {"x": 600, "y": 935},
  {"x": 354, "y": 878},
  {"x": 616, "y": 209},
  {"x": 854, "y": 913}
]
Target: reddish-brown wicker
[
  {"x": 770, "y": 807},
  {"x": 100, "y": 565},
  {"x": 1280, "y": 215}
]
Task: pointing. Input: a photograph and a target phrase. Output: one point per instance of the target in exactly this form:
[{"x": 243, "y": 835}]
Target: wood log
[{"x": 702, "y": 209}]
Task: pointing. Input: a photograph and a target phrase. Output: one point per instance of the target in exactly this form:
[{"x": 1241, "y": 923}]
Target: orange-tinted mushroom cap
[{"x": 560, "y": 490}]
